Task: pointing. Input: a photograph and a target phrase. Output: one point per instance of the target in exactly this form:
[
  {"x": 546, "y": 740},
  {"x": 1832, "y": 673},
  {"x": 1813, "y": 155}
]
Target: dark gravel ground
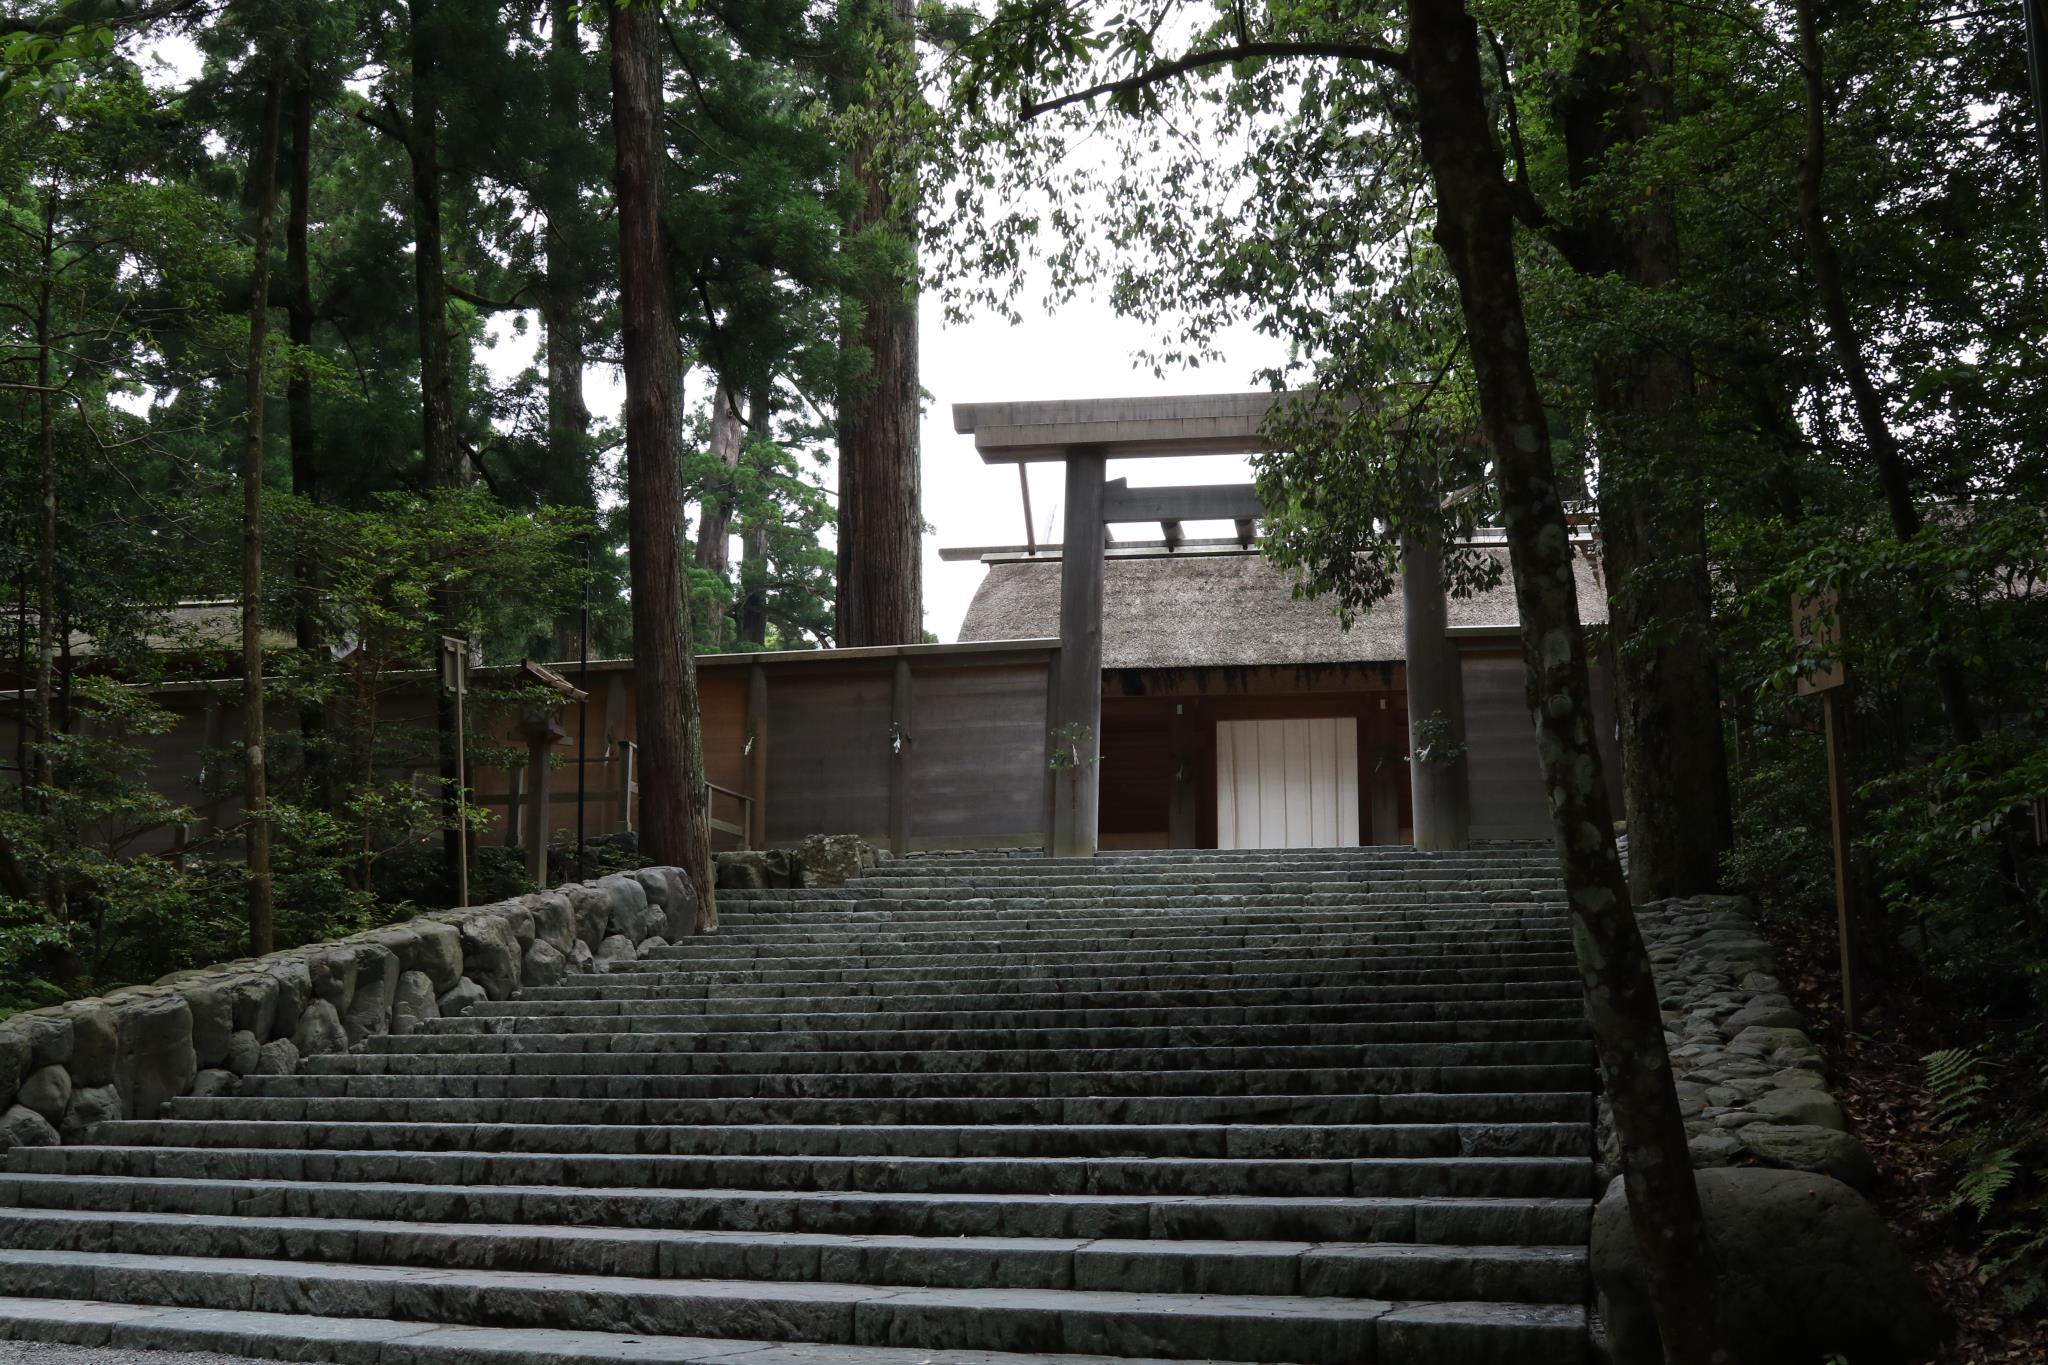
[{"x": 36, "y": 1353}]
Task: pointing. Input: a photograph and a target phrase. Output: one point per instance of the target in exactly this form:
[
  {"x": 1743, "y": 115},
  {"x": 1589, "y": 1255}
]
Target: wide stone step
[
  {"x": 1575, "y": 1078},
  {"x": 913, "y": 901},
  {"x": 1356, "y": 1177},
  {"x": 710, "y": 960},
  {"x": 1432, "y": 1107},
  {"x": 1421, "y": 888},
  {"x": 1087, "y": 996},
  {"x": 1010, "y": 942},
  {"x": 1210, "y": 1141},
  {"x": 1051, "y": 946},
  {"x": 1109, "y": 972},
  {"x": 1277, "y": 862},
  {"x": 519, "y": 1054},
  {"x": 1437, "y": 1221},
  {"x": 1315, "y": 1331},
  {"x": 853, "y": 930},
  {"x": 1367, "y": 890},
  {"x": 613, "y": 1013},
  {"x": 354, "y": 1341},
  {"x": 649, "y": 1032},
  {"x": 1532, "y": 1274},
  {"x": 1283, "y": 873},
  {"x": 1166, "y": 862}
]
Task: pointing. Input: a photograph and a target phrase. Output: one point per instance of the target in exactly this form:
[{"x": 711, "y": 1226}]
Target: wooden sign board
[
  {"x": 1817, "y": 629},
  {"x": 454, "y": 665}
]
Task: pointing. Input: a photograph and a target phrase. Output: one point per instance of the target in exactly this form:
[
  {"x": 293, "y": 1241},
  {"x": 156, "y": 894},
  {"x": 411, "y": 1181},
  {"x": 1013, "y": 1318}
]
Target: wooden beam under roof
[{"x": 1190, "y": 502}]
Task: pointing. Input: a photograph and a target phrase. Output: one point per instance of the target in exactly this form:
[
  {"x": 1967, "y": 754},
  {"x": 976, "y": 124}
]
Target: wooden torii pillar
[{"x": 1085, "y": 435}]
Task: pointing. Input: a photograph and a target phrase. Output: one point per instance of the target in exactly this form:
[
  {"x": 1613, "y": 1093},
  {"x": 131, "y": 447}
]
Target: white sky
[{"x": 1083, "y": 351}]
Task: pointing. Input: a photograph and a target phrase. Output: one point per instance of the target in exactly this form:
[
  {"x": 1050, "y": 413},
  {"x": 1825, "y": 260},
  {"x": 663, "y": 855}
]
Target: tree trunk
[
  {"x": 1845, "y": 340},
  {"x": 256, "y": 795},
  {"x": 46, "y": 526},
  {"x": 444, "y": 463},
  {"x": 1652, "y": 515},
  {"x": 714, "y": 520},
  {"x": 561, "y": 308},
  {"x": 440, "y": 452},
  {"x": 881, "y": 519},
  {"x": 299, "y": 418},
  {"x": 673, "y": 810},
  {"x": 753, "y": 584},
  {"x": 753, "y": 608},
  {"x": 1475, "y": 228}
]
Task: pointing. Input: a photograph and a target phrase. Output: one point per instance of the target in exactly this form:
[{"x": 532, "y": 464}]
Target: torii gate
[{"x": 1084, "y": 434}]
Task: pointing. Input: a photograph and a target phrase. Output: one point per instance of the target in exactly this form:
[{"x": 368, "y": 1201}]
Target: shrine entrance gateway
[{"x": 1084, "y": 435}]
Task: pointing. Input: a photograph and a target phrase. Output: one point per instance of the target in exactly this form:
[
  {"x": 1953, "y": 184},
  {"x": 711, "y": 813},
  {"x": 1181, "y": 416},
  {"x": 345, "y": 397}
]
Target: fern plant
[
  {"x": 1956, "y": 1079},
  {"x": 1998, "y": 1148}
]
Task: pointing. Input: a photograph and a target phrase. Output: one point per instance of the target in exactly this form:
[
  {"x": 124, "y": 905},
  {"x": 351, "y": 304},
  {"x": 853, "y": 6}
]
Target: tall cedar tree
[
  {"x": 1652, "y": 511},
  {"x": 881, "y": 516},
  {"x": 255, "y": 771},
  {"x": 674, "y": 819},
  {"x": 444, "y": 462}
]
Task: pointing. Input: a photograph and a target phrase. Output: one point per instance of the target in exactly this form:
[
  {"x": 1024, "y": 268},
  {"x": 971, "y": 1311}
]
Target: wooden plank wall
[
  {"x": 978, "y": 768},
  {"x": 1506, "y": 783},
  {"x": 1506, "y": 780},
  {"x": 828, "y": 752}
]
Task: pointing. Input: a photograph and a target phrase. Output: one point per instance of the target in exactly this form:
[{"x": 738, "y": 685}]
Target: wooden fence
[{"x": 911, "y": 747}]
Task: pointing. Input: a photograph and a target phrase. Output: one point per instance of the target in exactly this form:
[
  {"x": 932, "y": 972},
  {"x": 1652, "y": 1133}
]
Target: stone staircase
[{"x": 1312, "y": 1107}]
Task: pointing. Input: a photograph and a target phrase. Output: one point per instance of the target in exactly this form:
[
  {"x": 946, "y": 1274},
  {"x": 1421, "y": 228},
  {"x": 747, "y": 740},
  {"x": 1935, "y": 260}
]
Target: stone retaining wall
[
  {"x": 1809, "y": 1270},
  {"x": 124, "y": 1054},
  {"x": 1751, "y": 1083}
]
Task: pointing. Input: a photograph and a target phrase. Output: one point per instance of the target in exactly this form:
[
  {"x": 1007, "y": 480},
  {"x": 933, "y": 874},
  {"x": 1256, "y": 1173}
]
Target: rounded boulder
[{"x": 1807, "y": 1270}]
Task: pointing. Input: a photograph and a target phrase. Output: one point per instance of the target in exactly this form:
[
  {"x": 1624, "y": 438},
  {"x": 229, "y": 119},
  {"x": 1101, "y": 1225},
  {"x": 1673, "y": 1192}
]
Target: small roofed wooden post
[
  {"x": 543, "y": 730},
  {"x": 1435, "y": 701}
]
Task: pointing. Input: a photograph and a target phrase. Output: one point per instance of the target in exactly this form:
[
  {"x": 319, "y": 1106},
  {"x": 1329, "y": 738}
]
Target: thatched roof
[{"x": 1208, "y": 611}]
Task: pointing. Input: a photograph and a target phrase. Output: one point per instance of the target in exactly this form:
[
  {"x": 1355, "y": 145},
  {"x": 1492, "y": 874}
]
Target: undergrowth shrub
[{"x": 1993, "y": 1115}]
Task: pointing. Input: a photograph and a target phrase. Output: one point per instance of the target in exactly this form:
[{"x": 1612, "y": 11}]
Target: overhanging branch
[
  {"x": 1370, "y": 53},
  {"x": 85, "y": 13}
]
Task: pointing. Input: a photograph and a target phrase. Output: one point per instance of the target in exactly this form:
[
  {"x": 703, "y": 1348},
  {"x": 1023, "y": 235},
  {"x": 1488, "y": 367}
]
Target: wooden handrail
[{"x": 738, "y": 831}]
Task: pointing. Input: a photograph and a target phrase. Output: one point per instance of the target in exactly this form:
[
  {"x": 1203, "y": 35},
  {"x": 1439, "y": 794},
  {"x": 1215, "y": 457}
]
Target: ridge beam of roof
[
  {"x": 1120, "y": 428},
  {"x": 1190, "y": 502}
]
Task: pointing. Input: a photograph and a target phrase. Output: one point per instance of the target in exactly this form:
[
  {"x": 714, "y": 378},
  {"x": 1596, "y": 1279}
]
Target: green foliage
[
  {"x": 1064, "y": 744},
  {"x": 1436, "y": 741},
  {"x": 1958, "y": 1084},
  {"x": 1992, "y": 1113}
]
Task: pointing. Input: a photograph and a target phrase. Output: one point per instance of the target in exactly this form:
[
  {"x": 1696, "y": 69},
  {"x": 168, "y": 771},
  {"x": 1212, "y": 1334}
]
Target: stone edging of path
[
  {"x": 124, "y": 1054},
  {"x": 1751, "y": 1084}
]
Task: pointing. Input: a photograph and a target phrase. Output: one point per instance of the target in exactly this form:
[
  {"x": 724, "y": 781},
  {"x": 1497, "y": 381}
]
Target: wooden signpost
[
  {"x": 1817, "y": 627},
  {"x": 455, "y": 681}
]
